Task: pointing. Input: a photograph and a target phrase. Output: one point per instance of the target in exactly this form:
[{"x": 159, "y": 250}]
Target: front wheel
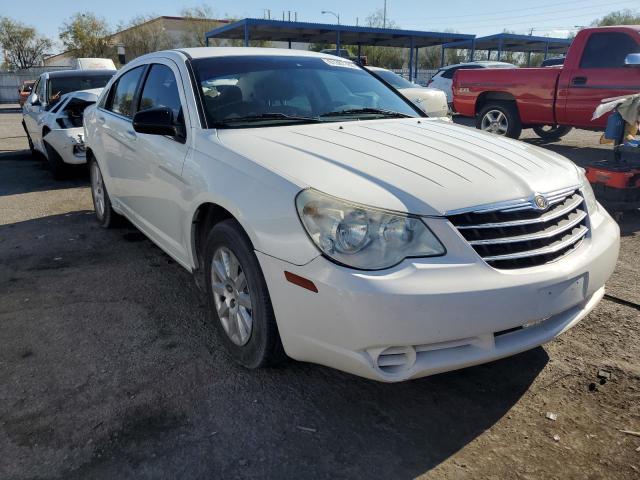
[
  {"x": 59, "y": 169},
  {"x": 500, "y": 118},
  {"x": 551, "y": 132},
  {"x": 238, "y": 300}
]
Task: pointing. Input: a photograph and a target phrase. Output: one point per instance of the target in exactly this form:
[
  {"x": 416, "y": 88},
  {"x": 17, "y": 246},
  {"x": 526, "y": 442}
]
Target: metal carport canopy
[
  {"x": 286, "y": 31},
  {"x": 511, "y": 42}
]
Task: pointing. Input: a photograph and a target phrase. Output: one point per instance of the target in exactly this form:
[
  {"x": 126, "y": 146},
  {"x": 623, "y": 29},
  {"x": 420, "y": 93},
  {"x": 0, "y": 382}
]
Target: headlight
[
  {"x": 589, "y": 196},
  {"x": 363, "y": 237}
]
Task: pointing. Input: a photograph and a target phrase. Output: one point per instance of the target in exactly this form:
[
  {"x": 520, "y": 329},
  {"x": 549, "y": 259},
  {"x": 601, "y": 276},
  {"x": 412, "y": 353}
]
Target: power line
[
  {"x": 493, "y": 17},
  {"x": 538, "y": 15}
]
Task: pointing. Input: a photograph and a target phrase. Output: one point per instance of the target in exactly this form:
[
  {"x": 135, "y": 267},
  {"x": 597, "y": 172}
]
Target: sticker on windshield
[{"x": 339, "y": 62}]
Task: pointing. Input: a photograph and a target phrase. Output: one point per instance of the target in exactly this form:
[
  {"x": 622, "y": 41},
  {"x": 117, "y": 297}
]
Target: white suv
[
  {"x": 443, "y": 78},
  {"x": 328, "y": 219}
]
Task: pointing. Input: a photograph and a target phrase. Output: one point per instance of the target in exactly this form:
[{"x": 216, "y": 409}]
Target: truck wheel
[
  {"x": 500, "y": 118},
  {"x": 551, "y": 132}
]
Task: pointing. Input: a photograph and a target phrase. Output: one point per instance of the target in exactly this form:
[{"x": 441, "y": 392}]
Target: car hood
[{"x": 419, "y": 166}]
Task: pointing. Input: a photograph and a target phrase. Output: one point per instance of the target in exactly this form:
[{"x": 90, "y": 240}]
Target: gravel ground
[{"x": 108, "y": 369}]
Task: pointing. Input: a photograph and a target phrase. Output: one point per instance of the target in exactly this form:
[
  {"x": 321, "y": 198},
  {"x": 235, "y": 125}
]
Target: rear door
[
  {"x": 599, "y": 74},
  {"x": 155, "y": 191},
  {"x": 118, "y": 138}
]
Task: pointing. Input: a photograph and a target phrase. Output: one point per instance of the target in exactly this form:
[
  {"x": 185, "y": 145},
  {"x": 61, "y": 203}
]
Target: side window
[
  {"x": 608, "y": 50},
  {"x": 122, "y": 93},
  {"x": 161, "y": 90},
  {"x": 449, "y": 73}
]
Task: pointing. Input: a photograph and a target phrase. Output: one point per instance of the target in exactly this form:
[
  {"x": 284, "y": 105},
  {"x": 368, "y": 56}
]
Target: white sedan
[
  {"x": 326, "y": 218},
  {"x": 430, "y": 100}
]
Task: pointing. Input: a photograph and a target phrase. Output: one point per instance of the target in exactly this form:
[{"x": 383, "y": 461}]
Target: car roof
[{"x": 80, "y": 73}]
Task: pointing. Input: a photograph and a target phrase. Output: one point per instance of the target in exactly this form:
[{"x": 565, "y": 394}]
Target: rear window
[{"x": 60, "y": 86}]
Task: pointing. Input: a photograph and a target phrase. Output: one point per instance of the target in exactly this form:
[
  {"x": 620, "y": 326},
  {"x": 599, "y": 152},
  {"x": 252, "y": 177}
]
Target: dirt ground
[{"x": 108, "y": 369}]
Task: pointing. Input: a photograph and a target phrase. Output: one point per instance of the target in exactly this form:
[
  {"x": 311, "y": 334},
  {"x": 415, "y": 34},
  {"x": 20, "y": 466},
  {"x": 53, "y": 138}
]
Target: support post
[
  {"x": 416, "y": 62},
  {"x": 289, "y": 44},
  {"x": 472, "y": 53},
  {"x": 528, "y": 59},
  {"x": 500, "y": 45},
  {"x": 359, "y": 54},
  {"x": 546, "y": 50},
  {"x": 442, "y": 57},
  {"x": 338, "y": 43},
  {"x": 411, "y": 48},
  {"x": 246, "y": 34},
  {"x": 206, "y": 41}
]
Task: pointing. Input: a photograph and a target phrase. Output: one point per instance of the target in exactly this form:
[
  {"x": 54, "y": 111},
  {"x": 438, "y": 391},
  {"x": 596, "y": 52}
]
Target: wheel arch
[{"x": 487, "y": 97}]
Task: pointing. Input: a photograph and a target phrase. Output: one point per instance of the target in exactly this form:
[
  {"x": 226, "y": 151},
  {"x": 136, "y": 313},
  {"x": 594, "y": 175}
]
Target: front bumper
[{"x": 427, "y": 316}]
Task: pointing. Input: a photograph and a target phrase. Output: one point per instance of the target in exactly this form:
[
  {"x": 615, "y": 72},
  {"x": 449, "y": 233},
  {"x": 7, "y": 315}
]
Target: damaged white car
[
  {"x": 62, "y": 135},
  {"x": 52, "y": 115}
]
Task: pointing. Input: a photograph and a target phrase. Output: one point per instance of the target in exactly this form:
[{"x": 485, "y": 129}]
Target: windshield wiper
[
  {"x": 357, "y": 111},
  {"x": 266, "y": 116}
]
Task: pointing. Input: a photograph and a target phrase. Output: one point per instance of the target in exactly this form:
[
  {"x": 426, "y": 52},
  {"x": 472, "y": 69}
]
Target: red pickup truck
[{"x": 601, "y": 63}]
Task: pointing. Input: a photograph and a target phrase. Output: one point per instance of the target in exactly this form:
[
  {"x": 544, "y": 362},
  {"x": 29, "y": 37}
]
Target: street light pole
[{"x": 324, "y": 12}]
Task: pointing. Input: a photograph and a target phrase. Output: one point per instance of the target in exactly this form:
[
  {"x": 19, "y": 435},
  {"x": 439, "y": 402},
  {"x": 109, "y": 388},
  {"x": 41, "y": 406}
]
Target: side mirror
[
  {"x": 34, "y": 100},
  {"x": 157, "y": 121},
  {"x": 632, "y": 60}
]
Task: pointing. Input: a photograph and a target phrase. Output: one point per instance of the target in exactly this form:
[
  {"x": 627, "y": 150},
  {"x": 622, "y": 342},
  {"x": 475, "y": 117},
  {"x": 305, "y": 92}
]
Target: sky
[{"x": 545, "y": 17}]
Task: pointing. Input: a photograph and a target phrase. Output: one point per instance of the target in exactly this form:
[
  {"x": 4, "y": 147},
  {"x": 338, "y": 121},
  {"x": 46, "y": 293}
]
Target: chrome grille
[{"x": 519, "y": 234}]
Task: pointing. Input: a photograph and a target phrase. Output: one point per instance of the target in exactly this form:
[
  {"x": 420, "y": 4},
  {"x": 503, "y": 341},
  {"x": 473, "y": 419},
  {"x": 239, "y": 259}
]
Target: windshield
[
  {"x": 270, "y": 90},
  {"x": 61, "y": 85},
  {"x": 394, "y": 79}
]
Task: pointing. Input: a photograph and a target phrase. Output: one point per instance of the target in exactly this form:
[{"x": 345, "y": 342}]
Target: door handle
[
  {"x": 101, "y": 120},
  {"x": 577, "y": 81},
  {"x": 131, "y": 134}
]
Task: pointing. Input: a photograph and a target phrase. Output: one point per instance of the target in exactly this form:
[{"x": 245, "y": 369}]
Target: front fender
[{"x": 262, "y": 201}]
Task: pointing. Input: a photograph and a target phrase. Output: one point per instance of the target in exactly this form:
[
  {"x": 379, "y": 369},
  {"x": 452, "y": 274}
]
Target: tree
[
  {"x": 198, "y": 21},
  {"x": 143, "y": 34},
  {"x": 23, "y": 46},
  {"x": 86, "y": 35},
  {"x": 621, "y": 17},
  {"x": 388, "y": 57}
]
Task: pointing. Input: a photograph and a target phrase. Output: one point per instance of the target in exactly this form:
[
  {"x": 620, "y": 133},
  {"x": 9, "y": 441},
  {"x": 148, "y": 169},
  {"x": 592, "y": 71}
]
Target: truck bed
[{"x": 533, "y": 89}]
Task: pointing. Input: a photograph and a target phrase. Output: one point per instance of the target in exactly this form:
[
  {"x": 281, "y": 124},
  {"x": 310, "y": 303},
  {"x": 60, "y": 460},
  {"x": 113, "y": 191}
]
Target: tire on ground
[
  {"x": 264, "y": 347},
  {"x": 108, "y": 218},
  {"x": 509, "y": 110},
  {"x": 59, "y": 169},
  {"x": 551, "y": 132}
]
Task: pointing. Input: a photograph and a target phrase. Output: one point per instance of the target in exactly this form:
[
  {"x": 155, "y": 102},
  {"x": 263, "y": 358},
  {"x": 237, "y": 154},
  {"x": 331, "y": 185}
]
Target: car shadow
[
  {"x": 113, "y": 369},
  {"x": 23, "y": 172}
]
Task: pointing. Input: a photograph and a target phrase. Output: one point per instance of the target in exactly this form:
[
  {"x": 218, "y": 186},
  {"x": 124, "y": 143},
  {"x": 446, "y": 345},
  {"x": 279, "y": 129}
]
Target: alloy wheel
[
  {"x": 97, "y": 187},
  {"x": 494, "y": 121},
  {"x": 231, "y": 296}
]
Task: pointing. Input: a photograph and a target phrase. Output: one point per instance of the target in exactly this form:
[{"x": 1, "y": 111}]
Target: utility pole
[{"x": 384, "y": 15}]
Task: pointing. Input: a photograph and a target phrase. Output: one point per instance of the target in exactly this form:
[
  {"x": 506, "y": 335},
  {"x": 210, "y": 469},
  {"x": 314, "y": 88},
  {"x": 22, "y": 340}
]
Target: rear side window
[
  {"x": 608, "y": 50},
  {"x": 161, "y": 90},
  {"x": 123, "y": 92},
  {"x": 448, "y": 73}
]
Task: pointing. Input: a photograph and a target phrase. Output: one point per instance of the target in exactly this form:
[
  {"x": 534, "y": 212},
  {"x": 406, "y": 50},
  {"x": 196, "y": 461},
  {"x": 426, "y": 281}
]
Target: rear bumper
[{"x": 424, "y": 317}]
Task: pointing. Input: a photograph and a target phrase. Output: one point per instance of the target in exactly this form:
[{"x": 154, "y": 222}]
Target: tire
[
  {"x": 106, "y": 216},
  {"x": 31, "y": 147},
  {"x": 257, "y": 345},
  {"x": 59, "y": 169},
  {"x": 501, "y": 118},
  {"x": 551, "y": 132}
]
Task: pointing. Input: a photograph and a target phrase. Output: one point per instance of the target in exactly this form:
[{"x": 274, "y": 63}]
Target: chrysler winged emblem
[{"x": 541, "y": 202}]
